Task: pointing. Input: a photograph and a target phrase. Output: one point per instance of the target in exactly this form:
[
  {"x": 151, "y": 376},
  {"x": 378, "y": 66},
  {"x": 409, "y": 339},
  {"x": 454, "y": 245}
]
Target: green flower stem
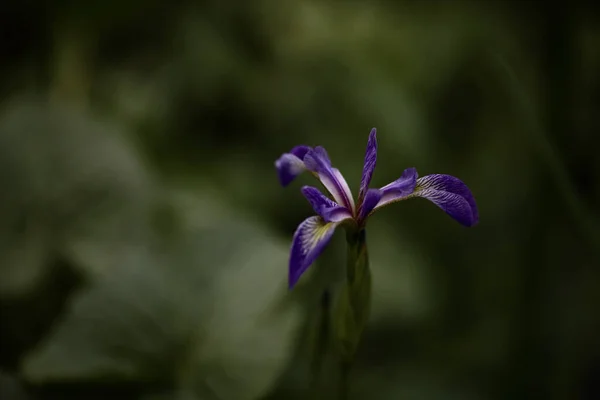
[{"x": 353, "y": 307}]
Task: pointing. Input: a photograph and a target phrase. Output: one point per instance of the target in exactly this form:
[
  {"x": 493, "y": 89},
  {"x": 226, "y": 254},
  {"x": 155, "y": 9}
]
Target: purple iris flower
[{"x": 314, "y": 233}]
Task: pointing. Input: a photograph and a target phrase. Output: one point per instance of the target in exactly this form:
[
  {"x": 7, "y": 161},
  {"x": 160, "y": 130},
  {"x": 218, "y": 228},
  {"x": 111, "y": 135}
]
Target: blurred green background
[{"x": 144, "y": 236}]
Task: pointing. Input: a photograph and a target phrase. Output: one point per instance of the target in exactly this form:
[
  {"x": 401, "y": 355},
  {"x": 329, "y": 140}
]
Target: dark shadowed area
[{"x": 144, "y": 236}]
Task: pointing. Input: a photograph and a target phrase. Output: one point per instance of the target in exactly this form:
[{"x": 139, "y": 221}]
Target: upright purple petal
[
  {"x": 291, "y": 164},
  {"x": 451, "y": 195},
  {"x": 399, "y": 189},
  {"x": 371, "y": 199},
  {"x": 324, "y": 206},
  {"x": 369, "y": 165},
  {"x": 309, "y": 241},
  {"x": 317, "y": 160}
]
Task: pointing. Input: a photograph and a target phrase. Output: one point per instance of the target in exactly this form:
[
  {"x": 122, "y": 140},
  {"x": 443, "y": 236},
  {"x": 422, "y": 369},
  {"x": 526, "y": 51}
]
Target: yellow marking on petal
[{"x": 314, "y": 233}]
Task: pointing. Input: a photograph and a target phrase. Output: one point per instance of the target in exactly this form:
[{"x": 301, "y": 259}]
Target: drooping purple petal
[
  {"x": 369, "y": 165},
  {"x": 451, "y": 195},
  {"x": 371, "y": 199},
  {"x": 317, "y": 199},
  {"x": 317, "y": 160},
  {"x": 324, "y": 206},
  {"x": 309, "y": 241},
  {"x": 291, "y": 164},
  {"x": 399, "y": 189}
]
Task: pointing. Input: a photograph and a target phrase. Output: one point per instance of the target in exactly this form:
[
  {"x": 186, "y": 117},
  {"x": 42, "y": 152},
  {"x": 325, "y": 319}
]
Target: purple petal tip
[
  {"x": 291, "y": 164},
  {"x": 452, "y": 195}
]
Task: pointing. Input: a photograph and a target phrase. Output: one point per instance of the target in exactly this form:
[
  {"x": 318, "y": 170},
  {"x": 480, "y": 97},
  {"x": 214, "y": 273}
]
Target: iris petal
[
  {"x": 291, "y": 164},
  {"x": 399, "y": 189},
  {"x": 309, "y": 241},
  {"x": 451, "y": 195},
  {"x": 324, "y": 206},
  {"x": 369, "y": 165},
  {"x": 447, "y": 192},
  {"x": 317, "y": 161},
  {"x": 371, "y": 199}
]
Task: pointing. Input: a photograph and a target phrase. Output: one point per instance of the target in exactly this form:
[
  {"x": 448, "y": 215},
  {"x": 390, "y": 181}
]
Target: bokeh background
[{"x": 144, "y": 236}]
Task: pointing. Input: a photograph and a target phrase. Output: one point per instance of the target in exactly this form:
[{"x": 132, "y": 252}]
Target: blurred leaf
[
  {"x": 201, "y": 311},
  {"x": 408, "y": 383},
  {"x": 11, "y": 388},
  {"x": 65, "y": 175}
]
